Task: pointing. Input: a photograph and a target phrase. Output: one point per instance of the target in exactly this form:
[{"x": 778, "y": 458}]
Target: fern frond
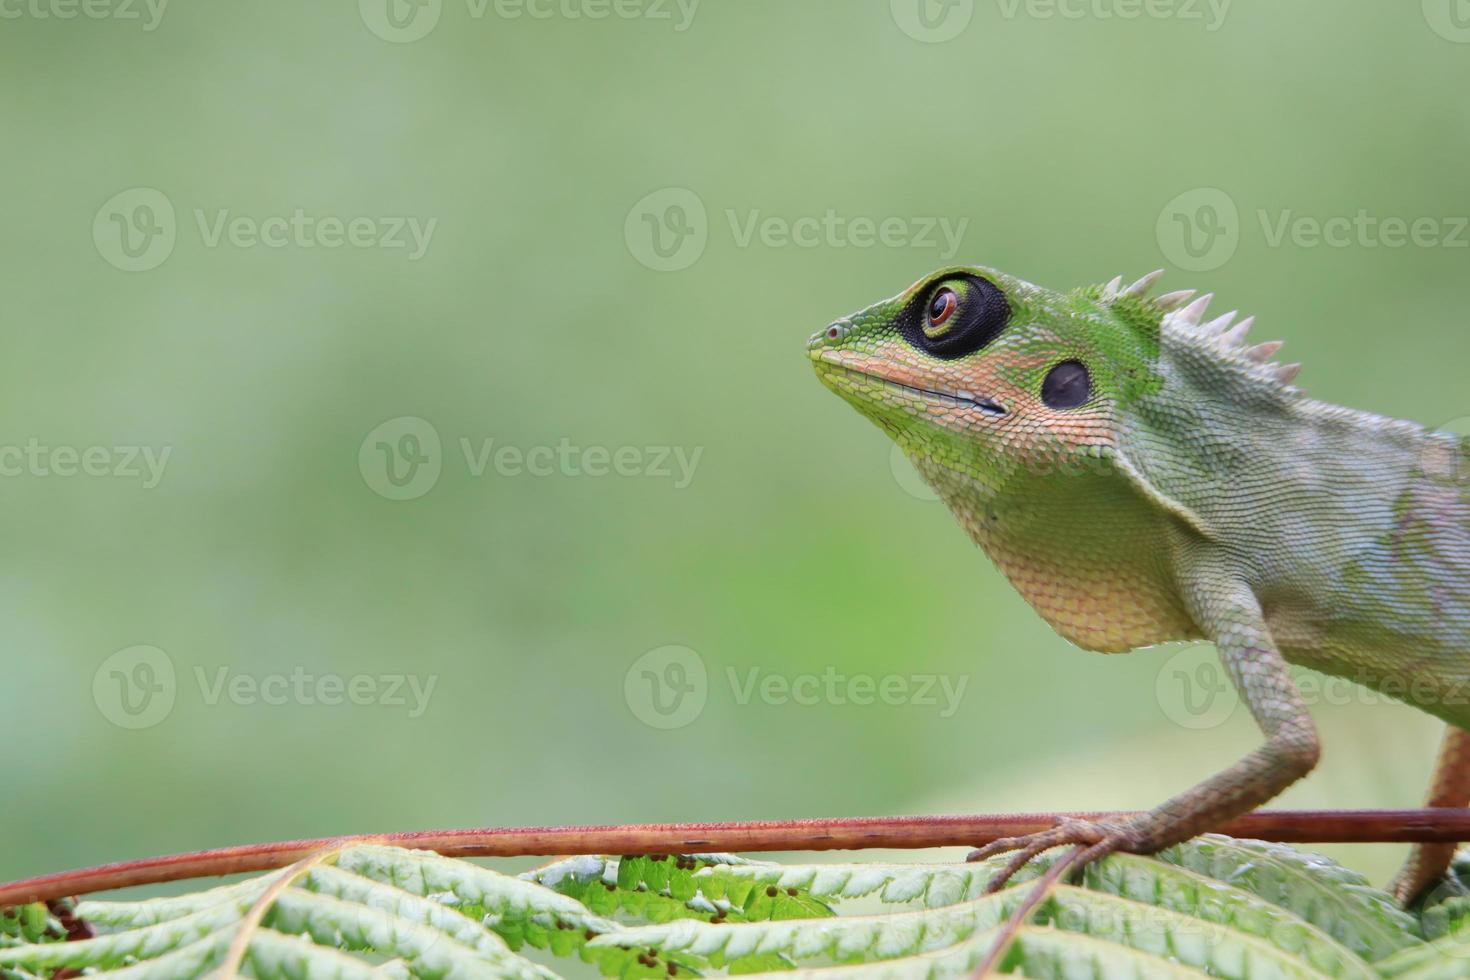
[
  {"x": 357, "y": 905},
  {"x": 1215, "y": 906},
  {"x": 109, "y": 917},
  {"x": 1174, "y": 888},
  {"x": 270, "y": 954},
  {"x": 662, "y": 888},
  {"x": 1209, "y": 946},
  {"x": 380, "y": 906},
  {"x": 1447, "y": 917},
  {"x": 425, "y": 873},
  {"x": 930, "y": 885},
  {"x": 1336, "y": 900},
  {"x": 850, "y": 939},
  {"x": 593, "y": 881},
  {"x": 117, "y": 949},
  {"x": 1035, "y": 952},
  {"x": 197, "y": 959},
  {"x": 32, "y": 923},
  {"x": 1444, "y": 959},
  {"x": 1214, "y": 947},
  {"x": 452, "y": 950}
]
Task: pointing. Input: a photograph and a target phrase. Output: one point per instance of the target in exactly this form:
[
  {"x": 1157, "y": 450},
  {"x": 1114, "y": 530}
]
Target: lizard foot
[{"x": 1100, "y": 840}]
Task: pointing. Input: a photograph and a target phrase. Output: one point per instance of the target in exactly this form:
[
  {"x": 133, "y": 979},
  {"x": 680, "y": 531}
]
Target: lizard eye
[
  {"x": 961, "y": 315},
  {"x": 941, "y": 309}
]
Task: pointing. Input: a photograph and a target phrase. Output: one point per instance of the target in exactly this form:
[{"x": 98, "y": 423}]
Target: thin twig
[
  {"x": 229, "y": 968},
  {"x": 1295, "y": 827}
]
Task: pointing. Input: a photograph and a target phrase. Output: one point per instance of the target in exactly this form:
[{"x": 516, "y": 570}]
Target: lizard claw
[{"x": 1099, "y": 839}]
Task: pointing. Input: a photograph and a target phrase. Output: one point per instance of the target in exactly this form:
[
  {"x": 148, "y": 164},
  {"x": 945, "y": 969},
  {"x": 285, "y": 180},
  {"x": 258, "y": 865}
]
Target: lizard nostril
[
  {"x": 837, "y": 329},
  {"x": 833, "y": 333}
]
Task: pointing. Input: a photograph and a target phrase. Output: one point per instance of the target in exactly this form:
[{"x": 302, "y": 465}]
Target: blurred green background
[{"x": 548, "y": 151}]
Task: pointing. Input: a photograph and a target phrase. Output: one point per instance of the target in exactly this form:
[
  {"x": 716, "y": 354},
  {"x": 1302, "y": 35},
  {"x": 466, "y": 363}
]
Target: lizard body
[{"x": 1143, "y": 476}]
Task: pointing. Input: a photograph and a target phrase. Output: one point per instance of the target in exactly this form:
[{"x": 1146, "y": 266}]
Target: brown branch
[{"x": 1296, "y": 827}]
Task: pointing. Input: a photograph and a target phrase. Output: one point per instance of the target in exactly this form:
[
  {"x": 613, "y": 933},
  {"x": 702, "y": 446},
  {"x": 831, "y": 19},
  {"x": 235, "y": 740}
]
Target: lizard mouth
[{"x": 963, "y": 399}]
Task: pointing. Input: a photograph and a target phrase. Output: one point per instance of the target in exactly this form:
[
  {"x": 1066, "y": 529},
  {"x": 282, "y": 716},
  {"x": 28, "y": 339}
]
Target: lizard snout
[{"x": 830, "y": 335}]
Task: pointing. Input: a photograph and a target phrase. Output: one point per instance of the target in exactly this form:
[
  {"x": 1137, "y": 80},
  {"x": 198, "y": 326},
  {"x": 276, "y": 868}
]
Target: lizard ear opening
[{"x": 1068, "y": 385}]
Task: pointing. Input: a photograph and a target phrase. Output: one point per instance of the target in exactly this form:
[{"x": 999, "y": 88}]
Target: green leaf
[
  {"x": 1215, "y": 906},
  {"x": 1173, "y": 888},
  {"x": 1042, "y": 953},
  {"x": 663, "y": 888},
  {"x": 1445, "y": 958},
  {"x": 1339, "y": 901},
  {"x": 1214, "y": 947},
  {"x": 1446, "y": 917},
  {"x": 849, "y": 939},
  {"x": 930, "y": 885}
]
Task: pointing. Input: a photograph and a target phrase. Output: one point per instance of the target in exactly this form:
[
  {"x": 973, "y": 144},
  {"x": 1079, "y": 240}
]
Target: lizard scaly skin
[{"x": 1143, "y": 476}]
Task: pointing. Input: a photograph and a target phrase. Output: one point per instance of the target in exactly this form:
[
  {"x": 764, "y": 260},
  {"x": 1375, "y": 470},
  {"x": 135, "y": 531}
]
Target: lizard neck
[{"x": 1082, "y": 549}]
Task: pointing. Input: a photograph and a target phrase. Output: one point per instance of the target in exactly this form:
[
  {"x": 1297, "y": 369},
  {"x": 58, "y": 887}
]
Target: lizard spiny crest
[{"x": 1222, "y": 335}]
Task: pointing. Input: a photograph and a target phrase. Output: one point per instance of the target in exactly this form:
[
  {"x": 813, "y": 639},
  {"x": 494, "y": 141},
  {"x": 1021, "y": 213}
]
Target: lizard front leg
[{"x": 1228, "y": 612}]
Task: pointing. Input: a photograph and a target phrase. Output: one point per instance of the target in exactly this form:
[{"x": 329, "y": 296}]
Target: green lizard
[{"x": 1142, "y": 476}]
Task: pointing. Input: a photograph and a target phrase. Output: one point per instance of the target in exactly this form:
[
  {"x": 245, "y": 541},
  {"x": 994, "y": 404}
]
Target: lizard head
[
  {"x": 981, "y": 376},
  {"x": 1061, "y": 429}
]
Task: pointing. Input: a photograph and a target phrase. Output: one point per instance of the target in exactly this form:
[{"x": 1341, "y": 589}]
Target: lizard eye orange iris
[{"x": 941, "y": 308}]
